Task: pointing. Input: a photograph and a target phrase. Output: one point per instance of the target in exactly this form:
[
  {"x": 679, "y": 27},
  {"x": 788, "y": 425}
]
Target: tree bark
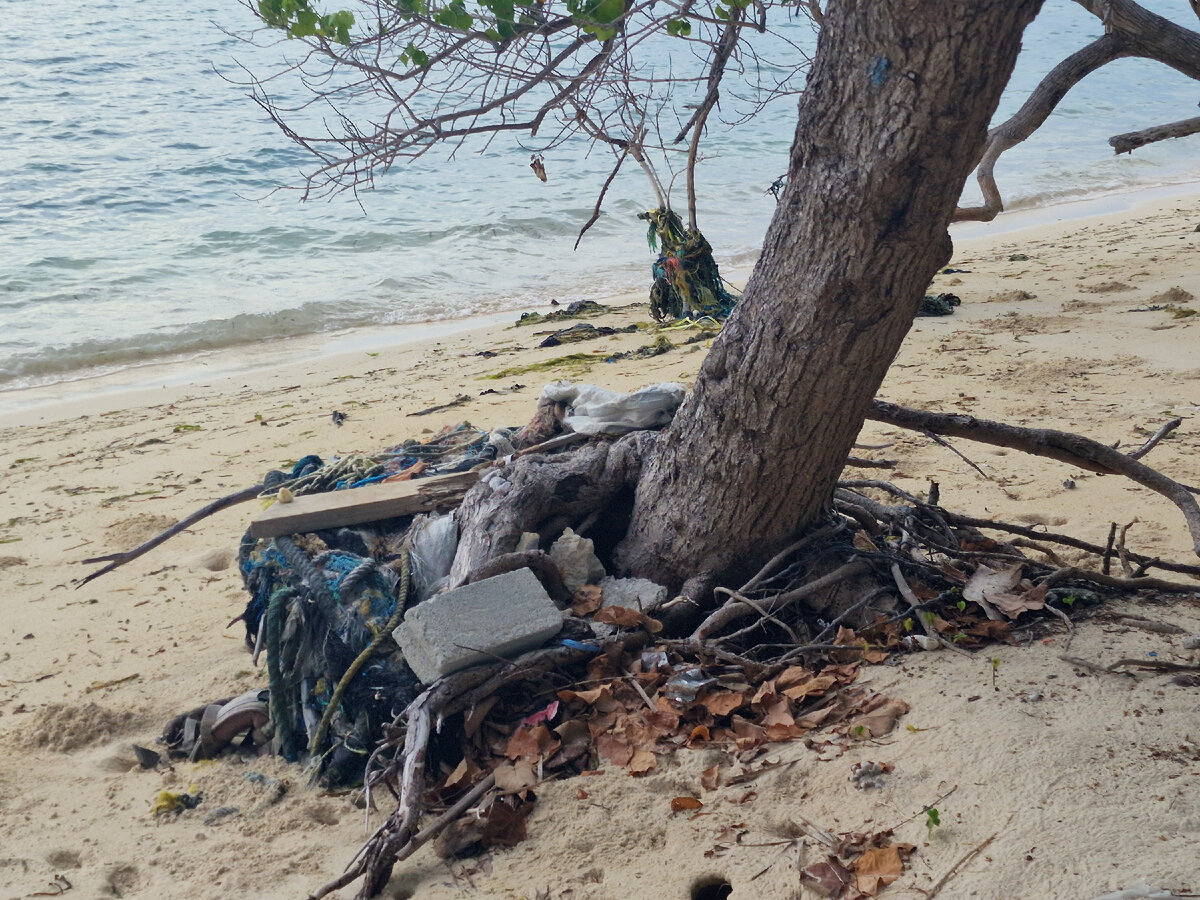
[{"x": 894, "y": 116}]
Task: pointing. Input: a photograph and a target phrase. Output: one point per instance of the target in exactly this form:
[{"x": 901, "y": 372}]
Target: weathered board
[{"x": 335, "y": 509}]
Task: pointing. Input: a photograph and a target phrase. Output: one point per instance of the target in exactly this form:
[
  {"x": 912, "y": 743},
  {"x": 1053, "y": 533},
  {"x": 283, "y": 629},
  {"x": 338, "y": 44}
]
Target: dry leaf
[
  {"x": 539, "y": 168},
  {"x": 617, "y": 752},
  {"x": 722, "y": 703},
  {"x": 699, "y": 733},
  {"x": 811, "y": 686},
  {"x": 864, "y": 543},
  {"x": 591, "y": 698},
  {"x": 505, "y": 826},
  {"x": 876, "y": 869},
  {"x": 679, "y": 804},
  {"x": 986, "y": 583},
  {"x": 829, "y": 877},
  {"x": 624, "y": 617},
  {"x": 710, "y": 778},
  {"x": 1012, "y": 605},
  {"x": 587, "y": 600},
  {"x": 642, "y": 762},
  {"x": 518, "y": 776},
  {"x": 464, "y": 773},
  {"x": 879, "y": 721},
  {"x": 778, "y": 713},
  {"x": 532, "y": 743},
  {"x": 581, "y": 794}
]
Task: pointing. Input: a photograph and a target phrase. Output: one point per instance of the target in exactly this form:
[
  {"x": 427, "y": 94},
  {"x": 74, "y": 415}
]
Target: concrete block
[
  {"x": 499, "y": 616},
  {"x": 632, "y": 593}
]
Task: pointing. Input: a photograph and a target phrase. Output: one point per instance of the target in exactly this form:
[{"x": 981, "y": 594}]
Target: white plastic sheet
[
  {"x": 597, "y": 410},
  {"x": 434, "y": 543}
]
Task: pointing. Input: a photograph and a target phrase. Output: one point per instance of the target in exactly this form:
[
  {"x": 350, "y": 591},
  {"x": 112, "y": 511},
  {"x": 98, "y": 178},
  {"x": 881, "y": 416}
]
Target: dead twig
[
  {"x": 858, "y": 462},
  {"x": 1157, "y": 436},
  {"x": 1120, "y": 547},
  {"x": 1157, "y": 665},
  {"x": 1065, "y": 539},
  {"x": 953, "y": 870},
  {"x": 1106, "y": 563},
  {"x": 116, "y": 560},
  {"x": 773, "y": 563},
  {"x": 733, "y": 610},
  {"x": 1070, "y": 573}
]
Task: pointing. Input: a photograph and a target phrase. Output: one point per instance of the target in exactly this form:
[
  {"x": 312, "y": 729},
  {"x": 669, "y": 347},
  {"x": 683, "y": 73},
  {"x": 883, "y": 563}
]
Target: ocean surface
[{"x": 140, "y": 220}]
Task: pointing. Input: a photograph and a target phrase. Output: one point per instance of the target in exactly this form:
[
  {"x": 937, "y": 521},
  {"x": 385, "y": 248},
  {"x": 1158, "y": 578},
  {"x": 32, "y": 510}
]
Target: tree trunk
[{"x": 894, "y": 117}]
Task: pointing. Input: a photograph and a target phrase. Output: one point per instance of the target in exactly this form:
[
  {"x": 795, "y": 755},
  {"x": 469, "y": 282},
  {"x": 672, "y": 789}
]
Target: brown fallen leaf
[
  {"x": 587, "y": 600},
  {"x": 879, "y": 721},
  {"x": 722, "y": 703},
  {"x": 532, "y": 743},
  {"x": 505, "y": 825},
  {"x": 829, "y": 877},
  {"x": 617, "y": 752},
  {"x": 679, "y": 804},
  {"x": 642, "y": 762},
  {"x": 624, "y": 617},
  {"x": 518, "y": 776},
  {"x": 710, "y": 778},
  {"x": 877, "y": 868}
]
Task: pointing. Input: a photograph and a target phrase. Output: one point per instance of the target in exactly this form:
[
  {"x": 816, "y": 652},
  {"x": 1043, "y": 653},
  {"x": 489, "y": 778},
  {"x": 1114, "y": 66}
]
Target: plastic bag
[
  {"x": 434, "y": 543},
  {"x": 597, "y": 410}
]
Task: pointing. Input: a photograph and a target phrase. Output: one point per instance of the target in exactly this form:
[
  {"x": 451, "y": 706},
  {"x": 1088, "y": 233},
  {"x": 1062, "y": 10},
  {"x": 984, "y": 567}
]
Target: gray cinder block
[{"x": 499, "y": 616}]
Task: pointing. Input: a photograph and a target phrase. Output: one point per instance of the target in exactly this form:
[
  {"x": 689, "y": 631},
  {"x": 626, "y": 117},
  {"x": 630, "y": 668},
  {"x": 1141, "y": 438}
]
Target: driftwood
[
  {"x": 539, "y": 493},
  {"x": 1060, "y": 445},
  {"x": 1132, "y": 140},
  {"x": 371, "y": 503}
]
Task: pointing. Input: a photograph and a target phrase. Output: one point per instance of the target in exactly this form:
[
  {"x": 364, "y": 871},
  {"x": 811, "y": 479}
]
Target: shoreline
[{"x": 161, "y": 379}]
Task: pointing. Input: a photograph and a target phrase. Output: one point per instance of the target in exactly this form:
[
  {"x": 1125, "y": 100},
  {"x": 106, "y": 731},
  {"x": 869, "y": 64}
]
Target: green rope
[
  {"x": 361, "y": 660},
  {"x": 281, "y": 714}
]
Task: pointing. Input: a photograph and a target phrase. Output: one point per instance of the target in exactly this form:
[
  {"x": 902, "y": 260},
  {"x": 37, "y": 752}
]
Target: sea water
[{"x": 140, "y": 216}]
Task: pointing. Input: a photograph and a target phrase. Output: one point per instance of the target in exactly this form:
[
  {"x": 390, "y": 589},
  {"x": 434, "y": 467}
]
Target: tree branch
[
  {"x": 1132, "y": 140},
  {"x": 1063, "y": 446},
  {"x": 1130, "y": 30}
]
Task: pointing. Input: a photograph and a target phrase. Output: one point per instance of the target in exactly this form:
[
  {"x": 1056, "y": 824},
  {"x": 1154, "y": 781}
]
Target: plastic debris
[
  {"x": 434, "y": 543},
  {"x": 577, "y": 560},
  {"x": 684, "y": 685},
  {"x": 597, "y": 410}
]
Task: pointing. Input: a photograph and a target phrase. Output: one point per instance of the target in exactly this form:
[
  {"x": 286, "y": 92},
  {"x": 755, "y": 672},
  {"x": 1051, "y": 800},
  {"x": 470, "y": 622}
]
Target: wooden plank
[{"x": 371, "y": 503}]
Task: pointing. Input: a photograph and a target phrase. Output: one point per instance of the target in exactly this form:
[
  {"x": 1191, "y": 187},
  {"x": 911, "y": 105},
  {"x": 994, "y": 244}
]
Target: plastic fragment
[{"x": 684, "y": 685}]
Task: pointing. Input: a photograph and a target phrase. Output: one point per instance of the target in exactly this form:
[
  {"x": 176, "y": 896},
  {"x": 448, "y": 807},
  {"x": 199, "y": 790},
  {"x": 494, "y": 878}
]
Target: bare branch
[
  {"x": 1072, "y": 449},
  {"x": 1130, "y": 30},
  {"x": 1132, "y": 140}
]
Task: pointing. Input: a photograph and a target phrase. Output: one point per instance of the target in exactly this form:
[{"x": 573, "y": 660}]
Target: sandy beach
[{"x": 1074, "y": 783}]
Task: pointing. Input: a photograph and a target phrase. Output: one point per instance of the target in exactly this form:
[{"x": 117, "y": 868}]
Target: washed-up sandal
[
  {"x": 206, "y": 730},
  {"x": 247, "y": 714}
]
